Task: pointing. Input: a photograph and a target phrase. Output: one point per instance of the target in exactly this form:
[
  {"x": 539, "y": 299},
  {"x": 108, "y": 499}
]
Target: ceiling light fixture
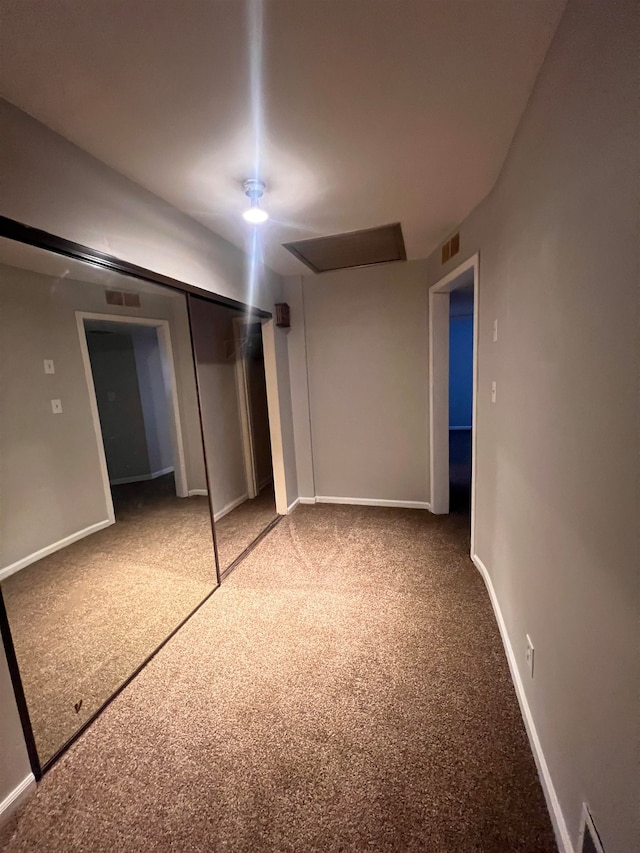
[{"x": 254, "y": 190}]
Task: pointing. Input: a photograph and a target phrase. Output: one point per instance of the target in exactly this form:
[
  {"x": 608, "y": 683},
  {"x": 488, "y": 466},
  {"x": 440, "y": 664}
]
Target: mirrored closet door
[
  {"x": 105, "y": 525},
  {"x": 232, "y": 385}
]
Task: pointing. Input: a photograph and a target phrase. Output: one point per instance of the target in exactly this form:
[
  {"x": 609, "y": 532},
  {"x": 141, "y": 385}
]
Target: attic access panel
[{"x": 353, "y": 249}]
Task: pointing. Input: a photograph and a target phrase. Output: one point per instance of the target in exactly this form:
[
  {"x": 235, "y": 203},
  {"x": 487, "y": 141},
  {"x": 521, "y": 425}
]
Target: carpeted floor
[
  {"x": 237, "y": 530},
  {"x": 85, "y": 617},
  {"x": 345, "y": 690}
]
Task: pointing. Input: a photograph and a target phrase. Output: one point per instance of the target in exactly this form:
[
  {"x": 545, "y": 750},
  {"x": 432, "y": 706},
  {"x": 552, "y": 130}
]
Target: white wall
[
  {"x": 46, "y": 182},
  {"x": 367, "y": 361},
  {"x": 557, "y": 502}
]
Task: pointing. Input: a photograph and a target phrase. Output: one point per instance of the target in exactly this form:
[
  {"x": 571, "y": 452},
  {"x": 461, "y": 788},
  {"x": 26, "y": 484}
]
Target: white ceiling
[{"x": 374, "y": 111}]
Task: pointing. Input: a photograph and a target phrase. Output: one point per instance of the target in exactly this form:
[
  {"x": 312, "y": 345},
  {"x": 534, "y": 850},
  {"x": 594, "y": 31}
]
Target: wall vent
[
  {"x": 352, "y": 249},
  {"x": 450, "y": 248},
  {"x": 121, "y": 297}
]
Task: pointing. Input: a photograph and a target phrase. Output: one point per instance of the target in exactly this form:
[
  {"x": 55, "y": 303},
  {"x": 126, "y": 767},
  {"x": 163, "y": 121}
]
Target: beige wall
[
  {"x": 557, "y": 517},
  {"x": 367, "y": 362}
]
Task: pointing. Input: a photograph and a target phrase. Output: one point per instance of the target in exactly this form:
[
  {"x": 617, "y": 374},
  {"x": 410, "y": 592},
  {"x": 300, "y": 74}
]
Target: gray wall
[
  {"x": 122, "y": 423},
  {"x": 367, "y": 363},
  {"x": 557, "y": 517},
  {"x": 153, "y": 386},
  {"x": 214, "y": 344}
]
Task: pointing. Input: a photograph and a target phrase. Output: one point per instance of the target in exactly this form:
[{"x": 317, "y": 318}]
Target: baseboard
[
  {"x": 292, "y": 506},
  {"x": 202, "y": 492},
  {"x": 325, "y": 499},
  {"x": 19, "y": 794},
  {"x": 51, "y": 549},
  {"x": 563, "y": 838},
  {"x": 227, "y": 508},
  {"x": 142, "y": 477},
  {"x": 307, "y": 500},
  {"x": 265, "y": 482}
]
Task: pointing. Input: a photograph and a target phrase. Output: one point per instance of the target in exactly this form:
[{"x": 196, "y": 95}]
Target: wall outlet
[
  {"x": 494, "y": 391},
  {"x": 49, "y": 366},
  {"x": 56, "y": 407},
  {"x": 530, "y": 655},
  {"x": 495, "y": 330}
]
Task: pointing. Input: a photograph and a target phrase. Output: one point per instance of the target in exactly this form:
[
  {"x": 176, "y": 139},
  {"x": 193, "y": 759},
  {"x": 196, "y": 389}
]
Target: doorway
[
  {"x": 130, "y": 374},
  {"x": 453, "y": 348}
]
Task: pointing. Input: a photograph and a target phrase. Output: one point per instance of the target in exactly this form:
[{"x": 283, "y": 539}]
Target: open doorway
[
  {"x": 453, "y": 324},
  {"x": 131, "y": 378}
]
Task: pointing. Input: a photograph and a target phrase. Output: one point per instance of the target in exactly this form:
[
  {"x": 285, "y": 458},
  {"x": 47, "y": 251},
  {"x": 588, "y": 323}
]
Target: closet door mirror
[
  {"x": 105, "y": 527},
  {"x": 230, "y": 364}
]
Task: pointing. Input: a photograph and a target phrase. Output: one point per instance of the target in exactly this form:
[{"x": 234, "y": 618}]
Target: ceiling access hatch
[{"x": 354, "y": 249}]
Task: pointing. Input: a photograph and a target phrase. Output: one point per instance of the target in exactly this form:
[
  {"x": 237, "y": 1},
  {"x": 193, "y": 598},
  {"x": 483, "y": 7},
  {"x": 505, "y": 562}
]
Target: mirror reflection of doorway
[
  {"x": 107, "y": 545},
  {"x": 460, "y": 397}
]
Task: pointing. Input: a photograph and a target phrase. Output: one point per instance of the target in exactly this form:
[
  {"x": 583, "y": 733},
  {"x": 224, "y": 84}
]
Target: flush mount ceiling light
[{"x": 254, "y": 190}]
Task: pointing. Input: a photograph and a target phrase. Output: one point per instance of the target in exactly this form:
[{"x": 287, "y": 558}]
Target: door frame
[
  {"x": 166, "y": 355},
  {"x": 439, "y": 387}
]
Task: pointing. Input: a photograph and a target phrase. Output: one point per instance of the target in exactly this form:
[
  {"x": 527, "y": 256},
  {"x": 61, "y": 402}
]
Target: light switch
[
  {"x": 56, "y": 407},
  {"x": 493, "y": 391},
  {"x": 495, "y": 330},
  {"x": 49, "y": 366}
]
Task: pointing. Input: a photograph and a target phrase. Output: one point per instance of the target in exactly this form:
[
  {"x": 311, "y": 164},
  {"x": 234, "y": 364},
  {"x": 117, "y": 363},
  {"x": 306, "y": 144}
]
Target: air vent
[
  {"x": 451, "y": 247},
  {"x": 122, "y": 297},
  {"x": 353, "y": 249}
]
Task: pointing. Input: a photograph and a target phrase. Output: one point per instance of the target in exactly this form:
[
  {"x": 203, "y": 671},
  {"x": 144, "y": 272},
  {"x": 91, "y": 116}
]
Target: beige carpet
[
  {"x": 345, "y": 690},
  {"x": 85, "y": 617},
  {"x": 237, "y": 530}
]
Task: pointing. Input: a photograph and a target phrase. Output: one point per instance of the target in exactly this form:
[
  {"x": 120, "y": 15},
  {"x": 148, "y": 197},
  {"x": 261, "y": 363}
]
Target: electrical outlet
[
  {"x": 49, "y": 366},
  {"x": 495, "y": 330},
  {"x": 530, "y": 655},
  {"x": 494, "y": 391},
  {"x": 56, "y": 407}
]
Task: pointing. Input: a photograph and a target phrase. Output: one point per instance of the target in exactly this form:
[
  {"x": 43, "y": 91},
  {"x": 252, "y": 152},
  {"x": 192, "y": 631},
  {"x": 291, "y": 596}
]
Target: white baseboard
[
  {"x": 19, "y": 794},
  {"x": 325, "y": 499},
  {"x": 307, "y": 500},
  {"x": 227, "y": 508},
  {"x": 292, "y": 506},
  {"x": 563, "y": 838},
  {"x": 142, "y": 477},
  {"x": 51, "y": 549},
  {"x": 202, "y": 492}
]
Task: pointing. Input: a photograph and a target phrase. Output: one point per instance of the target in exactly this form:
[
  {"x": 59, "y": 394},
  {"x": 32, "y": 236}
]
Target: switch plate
[
  {"x": 49, "y": 366},
  {"x": 530, "y": 655},
  {"x": 56, "y": 407},
  {"x": 494, "y": 390},
  {"x": 495, "y": 330}
]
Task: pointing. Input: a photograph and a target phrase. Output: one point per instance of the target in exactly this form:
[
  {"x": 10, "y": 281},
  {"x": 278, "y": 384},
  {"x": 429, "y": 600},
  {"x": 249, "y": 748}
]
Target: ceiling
[{"x": 363, "y": 112}]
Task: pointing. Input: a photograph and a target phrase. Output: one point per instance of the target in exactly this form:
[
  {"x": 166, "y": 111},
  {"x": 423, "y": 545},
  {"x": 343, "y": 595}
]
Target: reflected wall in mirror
[
  {"x": 105, "y": 527},
  {"x": 233, "y": 399}
]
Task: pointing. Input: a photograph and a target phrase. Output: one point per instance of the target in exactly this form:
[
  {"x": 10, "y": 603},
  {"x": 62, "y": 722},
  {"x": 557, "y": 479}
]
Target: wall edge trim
[
  {"x": 561, "y": 832},
  {"x": 17, "y": 796},
  {"x": 327, "y": 499},
  {"x": 293, "y": 505},
  {"x": 55, "y": 546},
  {"x": 227, "y": 508}
]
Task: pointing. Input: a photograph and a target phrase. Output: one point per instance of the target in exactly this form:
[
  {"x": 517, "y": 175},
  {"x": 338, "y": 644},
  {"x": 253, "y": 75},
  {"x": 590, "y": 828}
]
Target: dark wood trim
[
  {"x": 16, "y": 680},
  {"x": 13, "y": 230}
]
